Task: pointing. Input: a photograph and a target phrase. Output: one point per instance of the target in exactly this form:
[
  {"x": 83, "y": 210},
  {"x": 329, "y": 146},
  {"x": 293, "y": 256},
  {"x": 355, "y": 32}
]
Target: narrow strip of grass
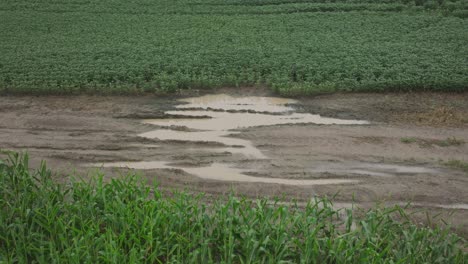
[
  {"x": 124, "y": 221},
  {"x": 448, "y": 142},
  {"x": 458, "y": 164}
]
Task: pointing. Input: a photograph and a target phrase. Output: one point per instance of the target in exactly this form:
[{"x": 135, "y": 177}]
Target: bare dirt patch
[{"x": 371, "y": 160}]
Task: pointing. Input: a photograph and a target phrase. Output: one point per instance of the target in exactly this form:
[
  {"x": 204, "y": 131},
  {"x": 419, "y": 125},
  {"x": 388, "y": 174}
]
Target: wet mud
[{"x": 348, "y": 147}]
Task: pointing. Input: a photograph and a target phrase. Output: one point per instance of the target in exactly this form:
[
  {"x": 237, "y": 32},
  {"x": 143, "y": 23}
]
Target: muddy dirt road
[{"x": 363, "y": 147}]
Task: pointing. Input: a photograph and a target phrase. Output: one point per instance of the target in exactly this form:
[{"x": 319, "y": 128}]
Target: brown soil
[{"x": 72, "y": 132}]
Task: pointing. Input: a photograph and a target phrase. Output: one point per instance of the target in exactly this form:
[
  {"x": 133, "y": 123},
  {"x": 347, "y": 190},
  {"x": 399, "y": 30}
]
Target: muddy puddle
[
  {"x": 371, "y": 169},
  {"x": 226, "y": 103},
  {"x": 346, "y": 205},
  {"x": 456, "y": 206},
  {"x": 220, "y": 118},
  {"x": 222, "y": 172},
  {"x": 216, "y": 120}
]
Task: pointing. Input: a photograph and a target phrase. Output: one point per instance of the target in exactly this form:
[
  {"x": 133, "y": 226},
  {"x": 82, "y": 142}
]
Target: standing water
[{"x": 218, "y": 118}]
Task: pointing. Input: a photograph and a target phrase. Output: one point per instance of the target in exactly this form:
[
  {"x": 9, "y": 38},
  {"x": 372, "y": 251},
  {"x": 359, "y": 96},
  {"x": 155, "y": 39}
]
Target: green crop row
[
  {"x": 125, "y": 221},
  {"x": 295, "y": 47}
]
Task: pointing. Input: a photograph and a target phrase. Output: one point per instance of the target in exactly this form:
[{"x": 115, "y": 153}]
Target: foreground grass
[
  {"x": 125, "y": 222},
  {"x": 295, "y": 47}
]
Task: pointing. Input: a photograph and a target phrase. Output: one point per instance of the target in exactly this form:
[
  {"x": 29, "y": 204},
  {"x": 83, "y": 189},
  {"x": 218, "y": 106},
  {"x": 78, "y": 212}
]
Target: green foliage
[
  {"x": 458, "y": 164},
  {"x": 294, "y": 46},
  {"x": 460, "y": 13},
  {"x": 408, "y": 140},
  {"x": 448, "y": 142},
  {"x": 124, "y": 221}
]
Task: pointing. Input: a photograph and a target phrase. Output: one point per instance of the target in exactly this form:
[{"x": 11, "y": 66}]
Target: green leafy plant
[{"x": 126, "y": 221}]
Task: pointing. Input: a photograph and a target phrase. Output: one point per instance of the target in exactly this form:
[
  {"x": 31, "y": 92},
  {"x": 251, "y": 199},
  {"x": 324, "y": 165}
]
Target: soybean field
[{"x": 295, "y": 47}]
